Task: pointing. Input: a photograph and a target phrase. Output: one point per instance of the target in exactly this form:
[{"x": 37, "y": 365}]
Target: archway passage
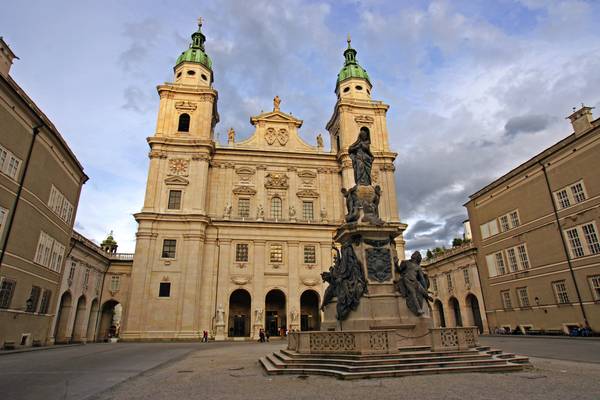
[
  {"x": 275, "y": 321},
  {"x": 474, "y": 306},
  {"x": 239, "y": 313},
  {"x": 78, "y": 333},
  {"x": 91, "y": 327},
  {"x": 310, "y": 317},
  {"x": 64, "y": 311},
  {"x": 456, "y": 309},
  {"x": 439, "y": 311},
  {"x": 109, "y": 327}
]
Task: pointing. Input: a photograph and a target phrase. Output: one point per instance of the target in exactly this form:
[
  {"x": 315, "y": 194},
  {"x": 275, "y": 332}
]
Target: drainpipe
[
  {"x": 564, "y": 243},
  {"x": 35, "y": 131}
]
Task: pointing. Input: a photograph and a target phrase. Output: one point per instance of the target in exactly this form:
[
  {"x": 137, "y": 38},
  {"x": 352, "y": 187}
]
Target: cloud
[{"x": 526, "y": 124}]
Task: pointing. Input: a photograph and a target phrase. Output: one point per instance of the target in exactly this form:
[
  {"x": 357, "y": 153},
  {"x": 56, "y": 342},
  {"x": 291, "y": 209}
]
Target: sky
[{"x": 475, "y": 87}]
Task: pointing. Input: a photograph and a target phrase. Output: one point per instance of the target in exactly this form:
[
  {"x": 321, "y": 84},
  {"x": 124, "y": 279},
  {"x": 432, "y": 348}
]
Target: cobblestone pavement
[{"x": 232, "y": 372}]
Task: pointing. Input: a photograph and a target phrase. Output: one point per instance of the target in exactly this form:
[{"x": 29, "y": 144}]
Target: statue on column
[{"x": 413, "y": 283}]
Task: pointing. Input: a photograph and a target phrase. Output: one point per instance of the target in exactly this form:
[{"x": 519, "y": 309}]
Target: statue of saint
[
  {"x": 227, "y": 211},
  {"x": 276, "y": 103},
  {"x": 294, "y": 314},
  {"x": 319, "y": 140},
  {"x": 292, "y": 212},
  {"x": 259, "y": 315},
  {"x": 362, "y": 158},
  {"x": 231, "y": 136},
  {"x": 220, "y": 315},
  {"x": 413, "y": 283},
  {"x": 260, "y": 214}
]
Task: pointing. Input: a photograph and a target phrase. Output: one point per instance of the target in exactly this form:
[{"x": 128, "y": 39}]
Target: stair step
[
  {"x": 412, "y": 354},
  {"x": 396, "y": 360}
]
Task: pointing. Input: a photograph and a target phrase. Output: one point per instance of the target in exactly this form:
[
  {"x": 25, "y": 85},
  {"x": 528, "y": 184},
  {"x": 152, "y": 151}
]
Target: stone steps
[{"x": 405, "y": 363}]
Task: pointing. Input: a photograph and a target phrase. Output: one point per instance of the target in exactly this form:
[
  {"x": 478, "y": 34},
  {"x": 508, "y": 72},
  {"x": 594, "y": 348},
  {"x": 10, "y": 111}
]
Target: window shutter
[{"x": 491, "y": 263}]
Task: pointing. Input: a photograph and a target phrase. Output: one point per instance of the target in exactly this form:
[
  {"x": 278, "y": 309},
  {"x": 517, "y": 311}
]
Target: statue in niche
[
  {"x": 362, "y": 158},
  {"x": 227, "y": 211},
  {"x": 320, "y": 140},
  {"x": 346, "y": 280},
  {"x": 259, "y": 315},
  {"x": 413, "y": 283},
  {"x": 260, "y": 213},
  {"x": 220, "y": 315},
  {"x": 231, "y": 136},
  {"x": 294, "y": 314},
  {"x": 292, "y": 212}
]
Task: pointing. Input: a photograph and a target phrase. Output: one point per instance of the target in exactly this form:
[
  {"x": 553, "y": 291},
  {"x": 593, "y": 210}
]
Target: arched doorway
[
  {"x": 78, "y": 334},
  {"x": 310, "y": 316},
  {"x": 275, "y": 322},
  {"x": 439, "y": 312},
  {"x": 91, "y": 327},
  {"x": 110, "y": 320},
  {"x": 473, "y": 304},
  {"x": 239, "y": 313},
  {"x": 455, "y": 307},
  {"x": 62, "y": 319}
]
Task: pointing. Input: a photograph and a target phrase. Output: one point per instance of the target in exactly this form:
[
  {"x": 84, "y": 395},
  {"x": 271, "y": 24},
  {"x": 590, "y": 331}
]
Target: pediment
[
  {"x": 176, "y": 181},
  {"x": 247, "y": 190},
  {"x": 276, "y": 117}
]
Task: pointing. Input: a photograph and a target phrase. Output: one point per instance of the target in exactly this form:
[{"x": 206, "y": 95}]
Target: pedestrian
[
  {"x": 267, "y": 335},
  {"x": 261, "y": 336},
  {"x": 205, "y": 336}
]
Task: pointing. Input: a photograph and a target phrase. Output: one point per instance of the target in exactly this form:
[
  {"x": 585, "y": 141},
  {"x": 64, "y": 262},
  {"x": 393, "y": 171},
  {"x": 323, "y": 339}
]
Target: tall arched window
[
  {"x": 184, "y": 123},
  {"x": 276, "y": 208}
]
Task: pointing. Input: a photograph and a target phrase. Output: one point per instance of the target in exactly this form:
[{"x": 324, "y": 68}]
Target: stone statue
[
  {"x": 413, "y": 283},
  {"x": 352, "y": 204},
  {"x": 346, "y": 280},
  {"x": 259, "y": 315},
  {"x": 260, "y": 213},
  {"x": 276, "y": 103},
  {"x": 227, "y": 211},
  {"x": 362, "y": 158},
  {"x": 231, "y": 136},
  {"x": 323, "y": 214},
  {"x": 220, "y": 315},
  {"x": 320, "y": 140},
  {"x": 294, "y": 314},
  {"x": 292, "y": 212}
]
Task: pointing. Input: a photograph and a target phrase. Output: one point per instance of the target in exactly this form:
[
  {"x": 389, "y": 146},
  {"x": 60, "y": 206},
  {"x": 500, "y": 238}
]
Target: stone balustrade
[
  {"x": 459, "y": 338},
  {"x": 349, "y": 342}
]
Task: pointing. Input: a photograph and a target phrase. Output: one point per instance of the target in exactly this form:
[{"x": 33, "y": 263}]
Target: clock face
[{"x": 178, "y": 166}]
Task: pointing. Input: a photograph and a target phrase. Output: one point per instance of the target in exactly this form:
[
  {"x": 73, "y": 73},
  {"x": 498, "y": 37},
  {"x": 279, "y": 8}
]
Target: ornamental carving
[
  {"x": 178, "y": 166},
  {"x": 275, "y": 180},
  {"x": 379, "y": 264},
  {"x": 248, "y": 190},
  {"x": 185, "y": 106},
  {"x": 240, "y": 280},
  {"x": 310, "y": 281},
  {"x": 157, "y": 154},
  {"x": 201, "y": 157},
  {"x": 245, "y": 173},
  {"x": 307, "y": 193},
  {"x": 307, "y": 174},
  {"x": 364, "y": 120},
  {"x": 280, "y": 135}
]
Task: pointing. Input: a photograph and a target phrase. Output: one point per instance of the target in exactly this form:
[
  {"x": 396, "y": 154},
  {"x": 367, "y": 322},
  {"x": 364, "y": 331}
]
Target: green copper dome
[
  {"x": 351, "y": 68},
  {"x": 196, "y": 51}
]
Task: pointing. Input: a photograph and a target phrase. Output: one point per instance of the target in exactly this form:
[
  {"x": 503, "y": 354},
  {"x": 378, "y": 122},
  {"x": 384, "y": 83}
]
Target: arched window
[
  {"x": 184, "y": 123},
  {"x": 276, "y": 208}
]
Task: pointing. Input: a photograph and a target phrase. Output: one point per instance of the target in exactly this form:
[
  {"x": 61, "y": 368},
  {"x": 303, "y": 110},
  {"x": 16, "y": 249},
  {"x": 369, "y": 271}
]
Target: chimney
[
  {"x": 581, "y": 119},
  {"x": 6, "y": 57}
]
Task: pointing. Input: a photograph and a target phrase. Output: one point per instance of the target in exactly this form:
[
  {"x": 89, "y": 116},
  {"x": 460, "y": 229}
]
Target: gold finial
[
  {"x": 199, "y": 21},
  {"x": 276, "y": 103}
]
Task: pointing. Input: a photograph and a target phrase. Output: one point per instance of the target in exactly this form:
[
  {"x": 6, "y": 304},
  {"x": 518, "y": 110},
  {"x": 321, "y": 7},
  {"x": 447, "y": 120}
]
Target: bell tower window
[{"x": 184, "y": 123}]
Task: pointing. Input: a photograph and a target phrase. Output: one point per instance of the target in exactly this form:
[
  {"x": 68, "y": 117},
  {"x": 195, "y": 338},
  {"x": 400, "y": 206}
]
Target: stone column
[
  {"x": 293, "y": 301},
  {"x": 189, "y": 325},
  {"x": 199, "y": 184},
  {"x": 223, "y": 286},
  {"x": 258, "y": 297},
  {"x": 208, "y": 273}
]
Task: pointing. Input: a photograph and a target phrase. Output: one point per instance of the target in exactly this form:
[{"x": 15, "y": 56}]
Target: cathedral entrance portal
[
  {"x": 239, "y": 314},
  {"x": 310, "y": 316},
  {"x": 275, "y": 323}
]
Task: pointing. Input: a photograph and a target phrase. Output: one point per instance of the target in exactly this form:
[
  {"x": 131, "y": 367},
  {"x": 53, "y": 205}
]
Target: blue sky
[{"x": 475, "y": 87}]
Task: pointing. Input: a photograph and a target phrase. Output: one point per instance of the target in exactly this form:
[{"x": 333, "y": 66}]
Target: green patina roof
[
  {"x": 110, "y": 240},
  {"x": 351, "y": 68},
  {"x": 196, "y": 52}
]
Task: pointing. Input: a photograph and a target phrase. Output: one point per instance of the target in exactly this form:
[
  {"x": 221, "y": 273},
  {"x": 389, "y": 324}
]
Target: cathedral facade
[{"x": 233, "y": 237}]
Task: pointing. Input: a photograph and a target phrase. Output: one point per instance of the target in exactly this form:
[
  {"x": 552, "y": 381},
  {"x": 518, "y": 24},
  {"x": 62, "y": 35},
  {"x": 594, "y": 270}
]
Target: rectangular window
[
  {"x": 589, "y": 232},
  {"x": 595, "y": 285},
  {"x": 169, "y": 247},
  {"x": 523, "y": 256},
  {"x": 9, "y": 163},
  {"x": 500, "y": 263},
  {"x": 174, "y": 200},
  {"x": 72, "y": 271},
  {"x": 34, "y": 298},
  {"x": 514, "y": 219},
  {"x": 512, "y": 260},
  {"x": 575, "y": 243},
  {"x": 86, "y": 277},
  {"x": 449, "y": 281},
  {"x": 467, "y": 277},
  {"x": 45, "y": 303},
  {"x": 523, "y": 297},
  {"x": 310, "y": 256},
  {"x": 7, "y": 289},
  {"x": 3, "y": 157},
  {"x": 560, "y": 291},
  {"x": 276, "y": 253},
  {"x": 3, "y": 215},
  {"x": 506, "y": 301},
  {"x": 578, "y": 193},
  {"x": 58, "y": 252},
  {"x": 243, "y": 208},
  {"x": 490, "y": 260},
  {"x": 59, "y": 204},
  {"x": 489, "y": 229},
  {"x": 164, "y": 289},
  {"x": 307, "y": 210},
  {"x": 241, "y": 252},
  {"x": 563, "y": 199},
  {"x": 276, "y": 208},
  {"x": 115, "y": 283},
  {"x": 504, "y": 225},
  {"x": 49, "y": 252}
]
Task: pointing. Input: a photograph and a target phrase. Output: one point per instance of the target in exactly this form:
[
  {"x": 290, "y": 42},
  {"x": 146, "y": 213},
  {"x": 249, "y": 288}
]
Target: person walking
[
  {"x": 205, "y": 336},
  {"x": 261, "y": 336}
]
